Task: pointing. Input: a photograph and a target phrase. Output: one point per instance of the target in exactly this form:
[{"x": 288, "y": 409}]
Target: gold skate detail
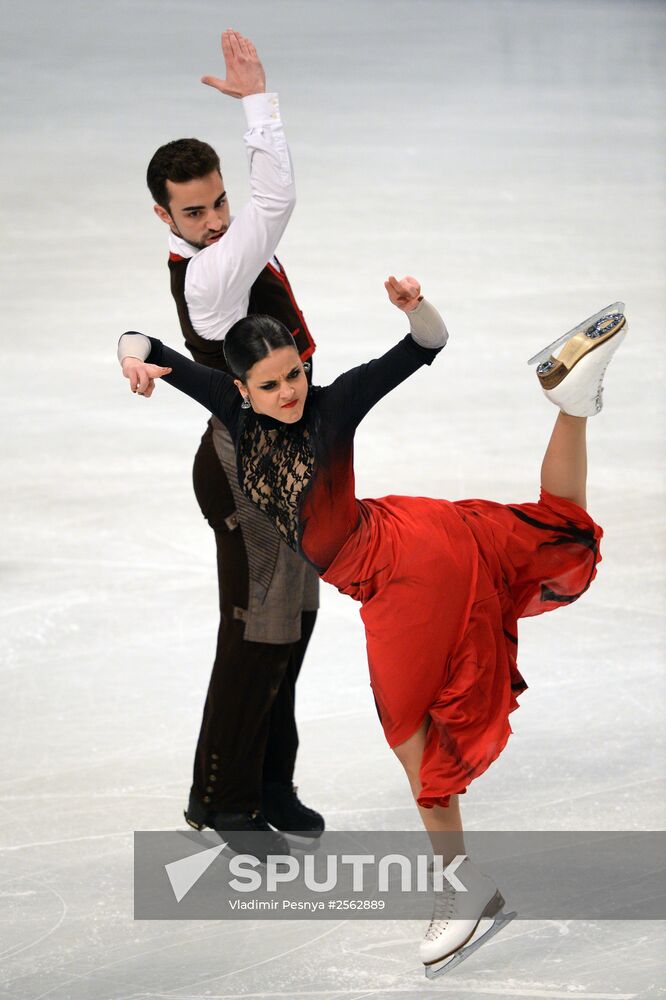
[{"x": 555, "y": 369}]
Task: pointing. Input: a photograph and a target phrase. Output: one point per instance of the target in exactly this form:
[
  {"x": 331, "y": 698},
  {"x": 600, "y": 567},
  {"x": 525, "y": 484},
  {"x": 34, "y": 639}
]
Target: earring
[
  {"x": 306, "y": 367},
  {"x": 246, "y": 404}
]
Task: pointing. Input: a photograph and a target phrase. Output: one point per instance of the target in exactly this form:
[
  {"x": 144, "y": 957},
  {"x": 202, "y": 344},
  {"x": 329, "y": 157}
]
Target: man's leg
[
  {"x": 282, "y": 743},
  {"x": 246, "y": 676},
  {"x": 280, "y": 803}
]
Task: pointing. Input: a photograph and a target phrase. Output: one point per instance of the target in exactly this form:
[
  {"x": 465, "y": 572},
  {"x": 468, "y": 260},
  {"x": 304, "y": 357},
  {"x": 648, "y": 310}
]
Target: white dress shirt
[{"x": 219, "y": 277}]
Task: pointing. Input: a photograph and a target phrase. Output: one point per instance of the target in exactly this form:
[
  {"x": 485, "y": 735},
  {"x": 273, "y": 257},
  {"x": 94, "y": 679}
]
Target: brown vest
[{"x": 270, "y": 294}]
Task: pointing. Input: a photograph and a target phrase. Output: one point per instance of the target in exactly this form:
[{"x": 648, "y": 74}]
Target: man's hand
[
  {"x": 142, "y": 376},
  {"x": 405, "y": 294},
  {"x": 245, "y": 74}
]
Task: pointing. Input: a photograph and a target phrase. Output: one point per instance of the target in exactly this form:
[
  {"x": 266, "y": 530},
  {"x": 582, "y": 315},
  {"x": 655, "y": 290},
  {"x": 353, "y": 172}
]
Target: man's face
[{"x": 198, "y": 210}]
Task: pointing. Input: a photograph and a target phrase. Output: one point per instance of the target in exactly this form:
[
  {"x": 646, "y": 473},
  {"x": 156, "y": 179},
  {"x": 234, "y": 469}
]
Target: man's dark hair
[
  {"x": 252, "y": 339},
  {"x": 178, "y": 161}
]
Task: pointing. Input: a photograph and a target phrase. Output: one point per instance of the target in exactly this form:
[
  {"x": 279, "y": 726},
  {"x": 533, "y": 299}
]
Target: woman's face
[{"x": 276, "y": 386}]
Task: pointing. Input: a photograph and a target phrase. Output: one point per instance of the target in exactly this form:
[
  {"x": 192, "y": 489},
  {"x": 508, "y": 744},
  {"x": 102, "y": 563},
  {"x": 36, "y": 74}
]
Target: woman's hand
[
  {"x": 405, "y": 294},
  {"x": 142, "y": 376}
]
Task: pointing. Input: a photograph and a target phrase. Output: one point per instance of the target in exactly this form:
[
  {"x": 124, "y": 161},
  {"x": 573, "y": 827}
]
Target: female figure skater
[{"x": 441, "y": 584}]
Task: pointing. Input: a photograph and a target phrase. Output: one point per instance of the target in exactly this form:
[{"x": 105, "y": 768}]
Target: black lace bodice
[{"x": 275, "y": 466}]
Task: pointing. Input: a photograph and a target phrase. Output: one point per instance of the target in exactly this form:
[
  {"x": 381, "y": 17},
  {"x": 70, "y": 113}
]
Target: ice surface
[{"x": 510, "y": 154}]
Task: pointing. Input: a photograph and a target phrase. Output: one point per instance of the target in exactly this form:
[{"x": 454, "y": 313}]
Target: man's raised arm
[{"x": 219, "y": 278}]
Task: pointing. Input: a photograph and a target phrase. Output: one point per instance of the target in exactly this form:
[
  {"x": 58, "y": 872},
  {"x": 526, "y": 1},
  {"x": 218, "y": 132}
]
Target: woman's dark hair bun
[{"x": 252, "y": 339}]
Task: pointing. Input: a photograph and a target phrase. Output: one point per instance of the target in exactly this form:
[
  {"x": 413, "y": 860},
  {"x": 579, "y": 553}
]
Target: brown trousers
[{"x": 248, "y": 733}]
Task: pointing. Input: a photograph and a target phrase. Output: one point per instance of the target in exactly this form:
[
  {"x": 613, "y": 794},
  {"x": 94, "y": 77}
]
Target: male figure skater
[{"x": 221, "y": 270}]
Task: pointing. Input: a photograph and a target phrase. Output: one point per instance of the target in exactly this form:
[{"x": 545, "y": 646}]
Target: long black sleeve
[
  {"x": 215, "y": 390},
  {"x": 356, "y": 391}
]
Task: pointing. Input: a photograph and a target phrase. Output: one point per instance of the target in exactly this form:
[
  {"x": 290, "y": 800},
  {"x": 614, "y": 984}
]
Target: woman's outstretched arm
[
  {"x": 144, "y": 359},
  {"x": 355, "y": 392}
]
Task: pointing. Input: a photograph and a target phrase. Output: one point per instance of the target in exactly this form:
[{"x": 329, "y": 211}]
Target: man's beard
[
  {"x": 192, "y": 243},
  {"x": 196, "y": 246}
]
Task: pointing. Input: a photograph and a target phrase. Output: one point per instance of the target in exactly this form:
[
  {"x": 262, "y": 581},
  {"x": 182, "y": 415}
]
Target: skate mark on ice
[
  {"x": 18, "y": 949},
  {"x": 365, "y": 950},
  {"x": 537, "y": 803},
  {"x": 476, "y": 988},
  {"x": 335, "y": 715},
  {"x": 66, "y": 840},
  {"x": 511, "y": 989},
  {"x": 371, "y": 809},
  {"x": 176, "y": 993},
  {"x": 130, "y": 752},
  {"x": 214, "y": 933}
]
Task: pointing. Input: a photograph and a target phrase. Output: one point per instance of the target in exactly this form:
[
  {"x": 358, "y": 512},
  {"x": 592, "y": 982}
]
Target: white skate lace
[
  {"x": 598, "y": 396},
  {"x": 442, "y": 912},
  {"x": 598, "y": 400}
]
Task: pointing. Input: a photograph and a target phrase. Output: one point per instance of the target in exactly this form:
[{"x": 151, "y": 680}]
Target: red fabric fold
[{"x": 442, "y": 586}]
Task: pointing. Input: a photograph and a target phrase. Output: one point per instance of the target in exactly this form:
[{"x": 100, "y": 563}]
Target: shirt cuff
[
  {"x": 427, "y": 327},
  {"x": 133, "y": 345},
  {"x": 261, "y": 109}
]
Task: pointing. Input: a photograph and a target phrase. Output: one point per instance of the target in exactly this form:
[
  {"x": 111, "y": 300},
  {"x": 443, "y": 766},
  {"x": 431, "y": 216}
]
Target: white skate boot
[
  {"x": 573, "y": 378},
  {"x": 443, "y": 947}
]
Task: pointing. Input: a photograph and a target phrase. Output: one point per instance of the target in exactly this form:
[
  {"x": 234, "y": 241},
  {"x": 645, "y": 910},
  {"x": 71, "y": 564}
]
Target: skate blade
[
  {"x": 438, "y": 969},
  {"x": 613, "y": 309},
  {"x": 300, "y": 843},
  {"x": 193, "y": 823},
  {"x": 229, "y": 851}
]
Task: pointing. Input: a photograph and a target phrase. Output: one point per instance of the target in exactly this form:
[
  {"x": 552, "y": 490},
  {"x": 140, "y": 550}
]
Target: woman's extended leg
[
  {"x": 564, "y": 468},
  {"x": 572, "y": 379}
]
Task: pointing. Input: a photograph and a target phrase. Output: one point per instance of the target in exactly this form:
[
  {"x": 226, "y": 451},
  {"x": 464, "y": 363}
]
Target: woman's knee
[{"x": 410, "y": 753}]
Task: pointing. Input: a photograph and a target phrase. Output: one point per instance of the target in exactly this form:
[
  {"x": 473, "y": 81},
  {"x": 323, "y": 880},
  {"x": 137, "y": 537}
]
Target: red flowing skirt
[{"x": 442, "y": 585}]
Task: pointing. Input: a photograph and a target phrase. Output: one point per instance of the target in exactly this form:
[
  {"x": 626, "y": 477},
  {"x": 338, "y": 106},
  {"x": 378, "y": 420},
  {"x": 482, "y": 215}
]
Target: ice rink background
[{"x": 509, "y": 153}]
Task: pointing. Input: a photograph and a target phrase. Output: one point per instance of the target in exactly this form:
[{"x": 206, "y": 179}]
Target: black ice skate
[
  {"x": 285, "y": 811},
  {"x": 238, "y": 830}
]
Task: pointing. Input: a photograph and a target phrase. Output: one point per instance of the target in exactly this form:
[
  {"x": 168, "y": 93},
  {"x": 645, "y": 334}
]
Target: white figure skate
[
  {"x": 573, "y": 378},
  {"x": 443, "y": 947}
]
